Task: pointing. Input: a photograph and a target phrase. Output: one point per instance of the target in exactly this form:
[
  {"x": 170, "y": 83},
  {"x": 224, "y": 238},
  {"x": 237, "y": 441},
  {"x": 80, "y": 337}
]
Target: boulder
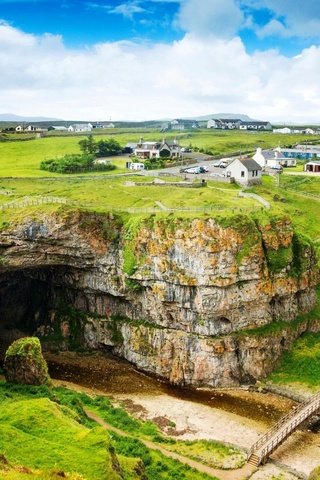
[{"x": 24, "y": 363}]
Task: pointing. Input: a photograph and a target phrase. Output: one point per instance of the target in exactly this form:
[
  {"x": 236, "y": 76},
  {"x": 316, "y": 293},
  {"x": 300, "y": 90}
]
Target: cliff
[{"x": 204, "y": 302}]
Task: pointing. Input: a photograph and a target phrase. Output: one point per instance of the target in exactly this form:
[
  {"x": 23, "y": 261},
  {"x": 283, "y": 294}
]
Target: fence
[{"x": 35, "y": 201}]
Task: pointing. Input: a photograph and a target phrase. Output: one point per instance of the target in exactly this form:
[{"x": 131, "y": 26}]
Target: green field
[
  {"x": 296, "y": 196},
  {"x": 23, "y": 158}
]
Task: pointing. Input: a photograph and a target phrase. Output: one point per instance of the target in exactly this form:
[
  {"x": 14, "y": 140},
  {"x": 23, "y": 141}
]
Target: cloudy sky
[{"x": 147, "y": 59}]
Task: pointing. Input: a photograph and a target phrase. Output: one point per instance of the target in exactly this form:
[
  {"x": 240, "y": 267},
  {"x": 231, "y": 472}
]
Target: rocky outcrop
[
  {"x": 24, "y": 363},
  {"x": 176, "y": 297}
]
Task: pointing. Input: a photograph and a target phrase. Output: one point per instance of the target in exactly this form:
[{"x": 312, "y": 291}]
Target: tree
[
  {"x": 106, "y": 148},
  {"x": 88, "y": 145}
]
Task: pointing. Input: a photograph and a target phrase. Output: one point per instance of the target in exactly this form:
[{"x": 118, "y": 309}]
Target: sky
[{"x": 152, "y": 59}]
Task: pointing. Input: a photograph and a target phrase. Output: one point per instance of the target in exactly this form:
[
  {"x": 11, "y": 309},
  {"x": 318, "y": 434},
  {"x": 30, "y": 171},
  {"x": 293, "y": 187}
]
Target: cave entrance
[{"x": 25, "y": 298}]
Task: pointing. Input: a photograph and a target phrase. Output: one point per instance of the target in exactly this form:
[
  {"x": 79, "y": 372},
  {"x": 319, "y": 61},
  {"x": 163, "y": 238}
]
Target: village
[{"x": 244, "y": 170}]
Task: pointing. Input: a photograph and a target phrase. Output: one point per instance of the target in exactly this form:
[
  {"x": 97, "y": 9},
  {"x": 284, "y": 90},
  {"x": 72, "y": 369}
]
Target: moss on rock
[{"x": 24, "y": 363}]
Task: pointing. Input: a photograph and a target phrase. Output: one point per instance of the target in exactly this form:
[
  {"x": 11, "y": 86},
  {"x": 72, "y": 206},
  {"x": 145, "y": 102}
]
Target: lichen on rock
[{"x": 24, "y": 363}]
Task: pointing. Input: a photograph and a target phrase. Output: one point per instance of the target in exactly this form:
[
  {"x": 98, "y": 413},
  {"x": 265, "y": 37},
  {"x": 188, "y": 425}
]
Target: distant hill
[
  {"x": 10, "y": 117},
  {"x": 204, "y": 118}
]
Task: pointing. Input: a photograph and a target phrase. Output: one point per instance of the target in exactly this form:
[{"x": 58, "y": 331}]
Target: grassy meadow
[
  {"x": 22, "y": 159},
  {"x": 21, "y": 177},
  {"x": 46, "y": 434}
]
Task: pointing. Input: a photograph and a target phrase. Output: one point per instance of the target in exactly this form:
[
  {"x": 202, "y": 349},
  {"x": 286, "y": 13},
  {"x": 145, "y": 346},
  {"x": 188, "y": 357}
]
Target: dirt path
[{"x": 239, "y": 474}]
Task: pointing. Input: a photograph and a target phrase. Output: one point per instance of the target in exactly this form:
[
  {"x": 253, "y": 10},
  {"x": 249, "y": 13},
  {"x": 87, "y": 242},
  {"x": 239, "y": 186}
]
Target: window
[{"x": 242, "y": 173}]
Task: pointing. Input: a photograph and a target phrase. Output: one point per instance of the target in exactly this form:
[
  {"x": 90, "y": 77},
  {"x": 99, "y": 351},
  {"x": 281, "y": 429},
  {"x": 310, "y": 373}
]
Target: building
[
  {"x": 212, "y": 123},
  {"x": 255, "y": 126},
  {"x": 149, "y": 150},
  {"x": 30, "y": 128},
  {"x": 284, "y": 130},
  {"x": 225, "y": 123},
  {"x": 80, "y": 127},
  {"x": 180, "y": 124},
  {"x": 304, "y": 152},
  {"x": 58, "y": 128},
  {"x": 313, "y": 166},
  {"x": 245, "y": 172},
  {"x": 273, "y": 159}
]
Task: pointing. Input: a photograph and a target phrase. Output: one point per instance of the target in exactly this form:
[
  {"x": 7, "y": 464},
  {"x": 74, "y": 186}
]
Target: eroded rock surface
[{"x": 179, "y": 298}]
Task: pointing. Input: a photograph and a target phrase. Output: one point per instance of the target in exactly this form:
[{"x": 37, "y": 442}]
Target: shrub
[{"x": 73, "y": 163}]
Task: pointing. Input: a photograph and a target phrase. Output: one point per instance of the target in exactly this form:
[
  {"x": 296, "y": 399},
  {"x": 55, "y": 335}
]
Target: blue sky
[
  {"x": 186, "y": 57},
  {"x": 85, "y": 22}
]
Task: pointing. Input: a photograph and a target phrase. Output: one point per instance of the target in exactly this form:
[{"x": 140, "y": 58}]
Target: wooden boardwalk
[{"x": 274, "y": 437}]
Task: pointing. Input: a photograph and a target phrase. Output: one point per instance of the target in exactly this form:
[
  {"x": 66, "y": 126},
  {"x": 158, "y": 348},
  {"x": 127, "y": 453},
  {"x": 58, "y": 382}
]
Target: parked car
[
  {"x": 223, "y": 164},
  {"x": 191, "y": 170},
  {"x": 216, "y": 163}
]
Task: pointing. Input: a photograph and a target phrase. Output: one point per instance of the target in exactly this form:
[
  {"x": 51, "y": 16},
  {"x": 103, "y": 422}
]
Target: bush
[{"x": 74, "y": 163}]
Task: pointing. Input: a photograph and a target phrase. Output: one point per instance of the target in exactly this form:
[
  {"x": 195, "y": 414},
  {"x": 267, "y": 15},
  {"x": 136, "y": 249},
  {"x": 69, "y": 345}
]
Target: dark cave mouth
[{"x": 27, "y": 298}]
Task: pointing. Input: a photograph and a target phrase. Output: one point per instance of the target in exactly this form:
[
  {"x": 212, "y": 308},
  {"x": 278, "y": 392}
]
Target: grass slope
[
  {"x": 40, "y": 434},
  {"x": 47, "y": 432}
]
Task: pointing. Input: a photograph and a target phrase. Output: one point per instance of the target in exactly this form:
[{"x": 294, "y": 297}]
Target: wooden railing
[{"x": 283, "y": 429}]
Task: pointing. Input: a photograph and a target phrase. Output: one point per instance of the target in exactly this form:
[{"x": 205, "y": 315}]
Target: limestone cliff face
[{"x": 173, "y": 296}]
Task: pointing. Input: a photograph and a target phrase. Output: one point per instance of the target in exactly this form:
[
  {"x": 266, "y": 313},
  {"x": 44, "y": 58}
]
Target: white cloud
[
  {"x": 222, "y": 19},
  {"x": 126, "y": 80},
  {"x": 127, "y": 9},
  {"x": 273, "y": 28},
  {"x": 297, "y": 18}
]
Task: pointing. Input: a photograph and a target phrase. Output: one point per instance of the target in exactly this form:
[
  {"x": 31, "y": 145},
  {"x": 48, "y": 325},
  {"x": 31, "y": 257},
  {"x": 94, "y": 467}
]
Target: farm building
[{"x": 313, "y": 166}]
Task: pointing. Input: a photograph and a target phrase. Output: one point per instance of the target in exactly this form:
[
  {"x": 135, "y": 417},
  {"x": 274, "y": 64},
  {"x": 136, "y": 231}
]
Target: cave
[
  {"x": 26, "y": 297},
  {"x": 52, "y": 302}
]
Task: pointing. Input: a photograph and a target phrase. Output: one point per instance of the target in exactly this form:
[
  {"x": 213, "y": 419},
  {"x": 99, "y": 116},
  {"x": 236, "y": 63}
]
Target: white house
[
  {"x": 308, "y": 131},
  {"x": 273, "y": 159},
  {"x": 284, "y": 130},
  {"x": 245, "y": 172},
  {"x": 80, "y": 127},
  {"x": 212, "y": 124},
  {"x": 19, "y": 128},
  {"x": 255, "y": 125},
  {"x": 179, "y": 124},
  {"x": 148, "y": 150}
]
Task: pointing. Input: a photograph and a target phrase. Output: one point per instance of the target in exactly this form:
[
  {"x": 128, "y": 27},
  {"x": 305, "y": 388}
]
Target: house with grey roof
[
  {"x": 273, "y": 159},
  {"x": 255, "y": 126},
  {"x": 151, "y": 150},
  {"x": 80, "y": 127},
  {"x": 245, "y": 172},
  {"x": 224, "y": 123}
]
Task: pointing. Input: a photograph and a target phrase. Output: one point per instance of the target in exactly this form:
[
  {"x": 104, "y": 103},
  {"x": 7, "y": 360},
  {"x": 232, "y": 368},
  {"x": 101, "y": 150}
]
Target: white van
[{"x": 136, "y": 166}]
